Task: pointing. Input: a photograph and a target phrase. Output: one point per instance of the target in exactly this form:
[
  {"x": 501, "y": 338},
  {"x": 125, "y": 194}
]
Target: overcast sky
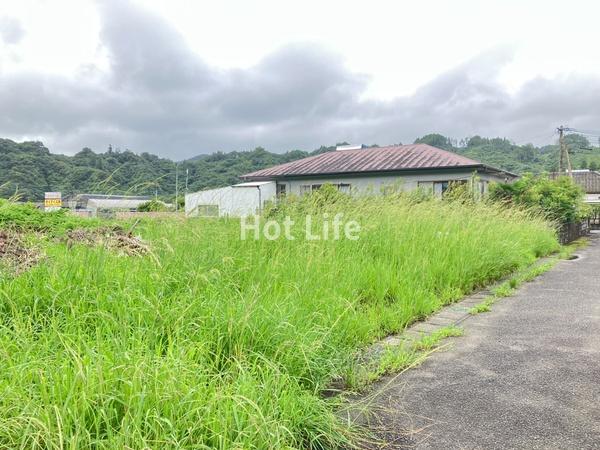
[{"x": 179, "y": 78}]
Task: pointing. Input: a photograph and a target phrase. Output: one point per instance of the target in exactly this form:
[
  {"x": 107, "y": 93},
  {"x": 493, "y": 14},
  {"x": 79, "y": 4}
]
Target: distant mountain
[{"x": 29, "y": 169}]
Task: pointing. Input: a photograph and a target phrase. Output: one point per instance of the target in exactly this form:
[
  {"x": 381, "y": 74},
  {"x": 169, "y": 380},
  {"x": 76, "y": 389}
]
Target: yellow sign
[{"x": 51, "y": 202}]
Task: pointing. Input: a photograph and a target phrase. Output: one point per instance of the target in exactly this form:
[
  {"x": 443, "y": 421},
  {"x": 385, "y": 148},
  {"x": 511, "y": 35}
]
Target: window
[
  {"x": 344, "y": 188},
  {"x": 281, "y": 188},
  {"x": 307, "y": 188},
  {"x": 440, "y": 187},
  {"x": 304, "y": 189},
  {"x": 483, "y": 187}
]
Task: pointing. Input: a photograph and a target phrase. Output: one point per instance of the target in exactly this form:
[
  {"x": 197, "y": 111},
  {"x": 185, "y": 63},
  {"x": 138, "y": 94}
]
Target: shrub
[
  {"x": 560, "y": 200},
  {"x": 27, "y": 217},
  {"x": 153, "y": 206}
]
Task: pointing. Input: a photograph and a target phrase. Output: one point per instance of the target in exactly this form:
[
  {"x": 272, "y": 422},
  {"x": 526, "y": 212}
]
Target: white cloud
[{"x": 11, "y": 31}]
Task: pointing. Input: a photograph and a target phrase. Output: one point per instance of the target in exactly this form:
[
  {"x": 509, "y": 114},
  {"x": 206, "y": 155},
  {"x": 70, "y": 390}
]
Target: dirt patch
[
  {"x": 15, "y": 255},
  {"x": 112, "y": 238}
]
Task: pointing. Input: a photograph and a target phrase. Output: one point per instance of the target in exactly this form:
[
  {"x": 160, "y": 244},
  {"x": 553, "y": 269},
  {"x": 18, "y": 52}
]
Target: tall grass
[{"x": 215, "y": 342}]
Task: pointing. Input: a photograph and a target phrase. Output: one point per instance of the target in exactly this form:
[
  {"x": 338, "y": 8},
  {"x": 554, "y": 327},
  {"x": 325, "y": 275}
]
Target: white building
[
  {"x": 354, "y": 170},
  {"x": 94, "y": 204},
  {"x": 239, "y": 200}
]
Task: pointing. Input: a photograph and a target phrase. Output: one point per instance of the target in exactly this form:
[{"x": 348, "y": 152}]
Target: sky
[{"x": 180, "y": 78}]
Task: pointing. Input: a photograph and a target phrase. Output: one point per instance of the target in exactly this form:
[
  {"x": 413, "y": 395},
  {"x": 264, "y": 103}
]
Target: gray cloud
[
  {"x": 11, "y": 30},
  {"x": 146, "y": 54},
  {"x": 159, "y": 96}
]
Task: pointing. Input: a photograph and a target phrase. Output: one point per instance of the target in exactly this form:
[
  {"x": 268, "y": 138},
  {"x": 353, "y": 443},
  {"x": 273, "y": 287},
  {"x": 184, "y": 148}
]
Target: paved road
[{"x": 526, "y": 375}]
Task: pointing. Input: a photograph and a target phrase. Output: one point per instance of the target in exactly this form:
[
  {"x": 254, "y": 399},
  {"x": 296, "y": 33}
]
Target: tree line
[
  {"x": 28, "y": 169},
  {"x": 520, "y": 159}
]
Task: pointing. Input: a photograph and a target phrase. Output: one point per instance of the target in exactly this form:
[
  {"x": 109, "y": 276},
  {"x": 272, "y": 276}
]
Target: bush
[
  {"x": 153, "y": 206},
  {"x": 27, "y": 217},
  {"x": 560, "y": 200}
]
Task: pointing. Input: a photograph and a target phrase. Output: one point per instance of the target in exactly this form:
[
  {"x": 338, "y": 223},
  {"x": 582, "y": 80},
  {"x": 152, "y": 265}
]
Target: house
[
  {"x": 588, "y": 180},
  {"x": 352, "y": 169}
]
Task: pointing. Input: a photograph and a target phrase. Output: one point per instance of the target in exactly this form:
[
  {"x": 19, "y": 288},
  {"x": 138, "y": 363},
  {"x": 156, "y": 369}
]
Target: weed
[
  {"x": 432, "y": 340},
  {"x": 27, "y": 217},
  {"x": 504, "y": 290},
  {"x": 396, "y": 358},
  {"x": 484, "y": 306},
  {"x": 214, "y": 342},
  {"x": 566, "y": 251}
]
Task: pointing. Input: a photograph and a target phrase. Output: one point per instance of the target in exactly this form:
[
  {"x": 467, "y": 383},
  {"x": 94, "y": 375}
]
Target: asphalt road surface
[{"x": 525, "y": 375}]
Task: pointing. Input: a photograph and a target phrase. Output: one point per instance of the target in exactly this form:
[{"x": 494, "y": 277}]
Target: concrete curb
[{"x": 450, "y": 315}]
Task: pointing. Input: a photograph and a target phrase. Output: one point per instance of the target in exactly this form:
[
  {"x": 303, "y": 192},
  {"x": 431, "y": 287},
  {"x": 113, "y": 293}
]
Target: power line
[
  {"x": 583, "y": 132},
  {"x": 595, "y": 133}
]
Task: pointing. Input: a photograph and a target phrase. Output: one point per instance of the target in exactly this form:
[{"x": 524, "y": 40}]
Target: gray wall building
[{"x": 354, "y": 170}]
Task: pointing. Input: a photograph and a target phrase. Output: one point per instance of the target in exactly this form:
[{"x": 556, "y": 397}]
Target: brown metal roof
[
  {"x": 376, "y": 159},
  {"x": 589, "y": 180}
]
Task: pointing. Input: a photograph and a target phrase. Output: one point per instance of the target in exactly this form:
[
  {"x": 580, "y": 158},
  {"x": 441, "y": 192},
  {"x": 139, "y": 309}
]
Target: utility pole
[
  {"x": 176, "y": 187},
  {"x": 187, "y": 175},
  {"x": 561, "y": 151},
  {"x": 564, "y": 152}
]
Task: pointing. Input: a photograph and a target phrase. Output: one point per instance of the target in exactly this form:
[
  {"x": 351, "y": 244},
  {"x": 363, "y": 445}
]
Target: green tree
[
  {"x": 577, "y": 141},
  {"x": 435, "y": 140},
  {"x": 477, "y": 141}
]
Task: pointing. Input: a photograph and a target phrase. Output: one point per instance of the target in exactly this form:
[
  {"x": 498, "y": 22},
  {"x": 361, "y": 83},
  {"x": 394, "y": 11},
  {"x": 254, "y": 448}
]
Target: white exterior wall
[
  {"x": 376, "y": 184},
  {"x": 592, "y": 198},
  {"x": 231, "y": 200},
  {"x": 238, "y": 201}
]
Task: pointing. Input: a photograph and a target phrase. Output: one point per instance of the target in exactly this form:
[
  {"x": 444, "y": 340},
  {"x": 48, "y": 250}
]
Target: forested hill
[
  {"x": 29, "y": 169},
  {"x": 504, "y": 154}
]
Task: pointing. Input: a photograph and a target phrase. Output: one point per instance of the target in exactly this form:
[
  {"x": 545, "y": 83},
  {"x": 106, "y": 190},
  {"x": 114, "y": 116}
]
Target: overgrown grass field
[{"x": 215, "y": 342}]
